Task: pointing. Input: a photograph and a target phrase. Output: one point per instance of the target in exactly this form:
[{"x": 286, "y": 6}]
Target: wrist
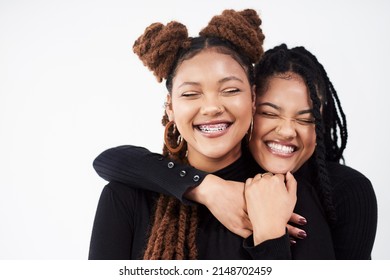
[
  {"x": 201, "y": 193},
  {"x": 261, "y": 236}
]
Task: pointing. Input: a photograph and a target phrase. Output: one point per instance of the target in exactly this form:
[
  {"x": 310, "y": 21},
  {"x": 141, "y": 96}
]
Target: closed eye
[
  {"x": 268, "y": 114},
  {"x": 190, "y": 94},
  {"x": 305, "y": 121},
  {"x": 231, "y": 91}
]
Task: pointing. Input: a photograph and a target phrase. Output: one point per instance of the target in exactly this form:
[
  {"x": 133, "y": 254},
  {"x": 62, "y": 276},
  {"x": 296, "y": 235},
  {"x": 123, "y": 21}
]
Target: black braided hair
[
  {"x": 333, "y": 116},
  {"x": 330, "y": 121}
]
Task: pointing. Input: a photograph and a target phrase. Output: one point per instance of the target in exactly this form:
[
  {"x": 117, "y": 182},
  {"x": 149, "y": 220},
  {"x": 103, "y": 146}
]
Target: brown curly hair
[
  {"x": 159, "y": 46},
  {"x": 162, "y": 49}
]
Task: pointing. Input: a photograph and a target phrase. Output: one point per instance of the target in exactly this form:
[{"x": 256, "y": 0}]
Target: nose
[
  {"x": 286, "y": 129},
  {"x": 212, "y": 106}
]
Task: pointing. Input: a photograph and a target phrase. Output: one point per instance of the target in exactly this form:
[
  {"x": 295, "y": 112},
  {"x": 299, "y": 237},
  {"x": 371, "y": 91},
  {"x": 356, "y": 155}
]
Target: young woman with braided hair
[
  {"x": 289, "y": 82},
  {"x": 209, "y": 110},
  {"x": 299, "y": 126}
]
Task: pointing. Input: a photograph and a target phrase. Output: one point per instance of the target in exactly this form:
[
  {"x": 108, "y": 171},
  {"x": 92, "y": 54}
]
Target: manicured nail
[
  {"x": 302, "y": 234},
  {"x": 302, "y": 221},
  {"x": 292, "y": 241}
]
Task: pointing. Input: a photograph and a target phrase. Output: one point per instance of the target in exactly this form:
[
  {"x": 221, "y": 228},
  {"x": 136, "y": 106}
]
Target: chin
[
  {"x": 213, "y": 153},
  {"x": 278, "y": 169}
]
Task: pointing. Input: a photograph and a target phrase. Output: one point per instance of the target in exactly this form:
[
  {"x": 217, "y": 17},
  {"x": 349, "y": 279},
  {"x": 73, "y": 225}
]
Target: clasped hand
[{"x": 261, "y": 206}]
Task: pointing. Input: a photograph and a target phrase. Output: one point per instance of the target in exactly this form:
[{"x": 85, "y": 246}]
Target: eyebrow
[
  {"x": 269, "y": 104},
  {"x": 308, "y": 111},
  {"x": 221, "y": 81},
  {"x": 189, "y": 84},
  {"x": 230, "y": 78},
  {"x": 302, "y": 112}
]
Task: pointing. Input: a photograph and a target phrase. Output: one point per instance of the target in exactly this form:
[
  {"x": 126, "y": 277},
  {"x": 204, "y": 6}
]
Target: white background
[{"x": 70, "y": 87}]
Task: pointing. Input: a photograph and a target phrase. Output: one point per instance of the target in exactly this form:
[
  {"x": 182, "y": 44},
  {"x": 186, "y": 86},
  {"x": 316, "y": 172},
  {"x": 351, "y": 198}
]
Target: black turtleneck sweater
[{"x": 126, "y": 204}]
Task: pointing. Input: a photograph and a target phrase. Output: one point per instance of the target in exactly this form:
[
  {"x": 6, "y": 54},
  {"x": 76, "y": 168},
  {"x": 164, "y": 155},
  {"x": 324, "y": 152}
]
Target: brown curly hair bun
[
  {"x": 158, "y": 47},
  {"x": 240, "y": 28}
]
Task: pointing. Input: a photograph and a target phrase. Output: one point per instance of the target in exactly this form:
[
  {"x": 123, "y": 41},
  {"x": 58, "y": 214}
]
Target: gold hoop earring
[
  {"x": 180, "y": 140},
  {"x": 250, "y": 131}
]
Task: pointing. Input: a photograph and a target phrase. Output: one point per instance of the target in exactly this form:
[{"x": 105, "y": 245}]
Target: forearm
[{"x": 138, "y": 167}]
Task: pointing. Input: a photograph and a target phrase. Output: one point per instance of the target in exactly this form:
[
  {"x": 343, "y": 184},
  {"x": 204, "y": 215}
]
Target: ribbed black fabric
[
  {"x": 356, "y": 208},
  {"x": 122, "y": 218},
  {"x": 352, "y": 237},
  {"x": 136, "y": 164}
]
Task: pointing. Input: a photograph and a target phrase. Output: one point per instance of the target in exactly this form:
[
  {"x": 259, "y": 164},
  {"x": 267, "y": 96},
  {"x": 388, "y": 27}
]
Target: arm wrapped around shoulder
[{"x": 140, "y": 168}]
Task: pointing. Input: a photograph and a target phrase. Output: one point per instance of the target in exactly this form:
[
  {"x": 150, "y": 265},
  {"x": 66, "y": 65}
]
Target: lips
[{"x": 281, "y": 149}]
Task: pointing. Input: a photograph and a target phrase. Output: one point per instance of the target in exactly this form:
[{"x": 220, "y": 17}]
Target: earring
[
  {"x": 180, "y": 140},
  {"x": 249, "y": 133}
]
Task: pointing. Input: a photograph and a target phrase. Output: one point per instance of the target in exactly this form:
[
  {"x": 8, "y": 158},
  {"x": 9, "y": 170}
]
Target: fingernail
[
  {"x": 302, "y": 234},
  {"x": 292, "y": 241},
  {"x": 302, "y": 221}
]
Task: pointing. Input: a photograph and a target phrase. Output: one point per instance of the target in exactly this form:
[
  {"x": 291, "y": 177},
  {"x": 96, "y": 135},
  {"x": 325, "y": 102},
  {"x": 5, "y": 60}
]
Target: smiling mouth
[
  {"x": 213, "y": 128},
  {"x": 281, "y": 149}
]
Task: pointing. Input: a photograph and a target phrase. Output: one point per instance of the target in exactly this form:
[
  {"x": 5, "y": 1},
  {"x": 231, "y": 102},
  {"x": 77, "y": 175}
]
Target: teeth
[
  {"x": 280, "y": 148},
  {"x": 212, "y": 127}
]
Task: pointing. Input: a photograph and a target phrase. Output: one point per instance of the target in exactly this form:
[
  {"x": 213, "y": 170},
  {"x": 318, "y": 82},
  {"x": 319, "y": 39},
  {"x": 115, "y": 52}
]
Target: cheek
[
  {"x": 183, "y": 116},
  {"x": 261, "y": 127},
  {"x": 183, "y": 111},
  {"x": 239, "y": 106},
  {"x": 311, "y": 135},
  {"x": 309, "y": 139}
]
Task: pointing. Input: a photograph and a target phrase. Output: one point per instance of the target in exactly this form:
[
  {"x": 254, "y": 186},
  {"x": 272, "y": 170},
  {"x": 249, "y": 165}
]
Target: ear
[
  {"x": 253, "y": 99},
  {"x": 168, "y": 107}
]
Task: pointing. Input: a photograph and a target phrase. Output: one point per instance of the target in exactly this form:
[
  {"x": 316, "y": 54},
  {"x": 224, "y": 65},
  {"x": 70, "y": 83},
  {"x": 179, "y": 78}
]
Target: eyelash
[
  {"x": 269, "y": 115},
  {"x": 189, "y": 94},
  {"x": 232, "y": 91},
  {"x": 226, "y": 92},
  {"x": 305, "y": 122},
  {"x": 275, "y": 116}
]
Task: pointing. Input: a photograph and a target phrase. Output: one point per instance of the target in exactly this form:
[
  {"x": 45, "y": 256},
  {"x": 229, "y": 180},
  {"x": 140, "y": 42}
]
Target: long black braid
[
  {"x": 330, "y": 121},
  {"x": 333, "y": 116}
]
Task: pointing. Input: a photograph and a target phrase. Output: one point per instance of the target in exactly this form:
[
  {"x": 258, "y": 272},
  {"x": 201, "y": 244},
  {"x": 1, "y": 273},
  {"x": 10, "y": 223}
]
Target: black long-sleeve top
[
  {"x": 123, "y": 218},
  {"x": 123, "y": 214}
]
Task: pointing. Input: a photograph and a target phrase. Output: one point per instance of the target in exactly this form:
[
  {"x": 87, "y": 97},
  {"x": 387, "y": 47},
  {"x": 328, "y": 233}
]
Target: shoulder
[
  {"x": 126, "y": 194},
  {"x": 348, "y": 182},
  {"x": 342, "y": 173},
  {"x": 125, "y": 148},
  {"x": 119, "y": 153},
  {"x": 120, "y": 189}
]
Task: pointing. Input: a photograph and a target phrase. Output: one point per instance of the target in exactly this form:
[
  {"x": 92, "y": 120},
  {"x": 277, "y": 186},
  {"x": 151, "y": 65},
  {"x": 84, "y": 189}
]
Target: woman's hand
[
  {"x": 295, "y": 232},
  {"x": 270, "y": 203},
  {"x": 225, "y": 200}
]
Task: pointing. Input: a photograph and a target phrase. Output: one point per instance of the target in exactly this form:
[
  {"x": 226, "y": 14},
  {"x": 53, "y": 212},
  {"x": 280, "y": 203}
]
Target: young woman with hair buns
[
  {"x": 209, "y": 111},
  {"x": 299, "y": 126}
]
